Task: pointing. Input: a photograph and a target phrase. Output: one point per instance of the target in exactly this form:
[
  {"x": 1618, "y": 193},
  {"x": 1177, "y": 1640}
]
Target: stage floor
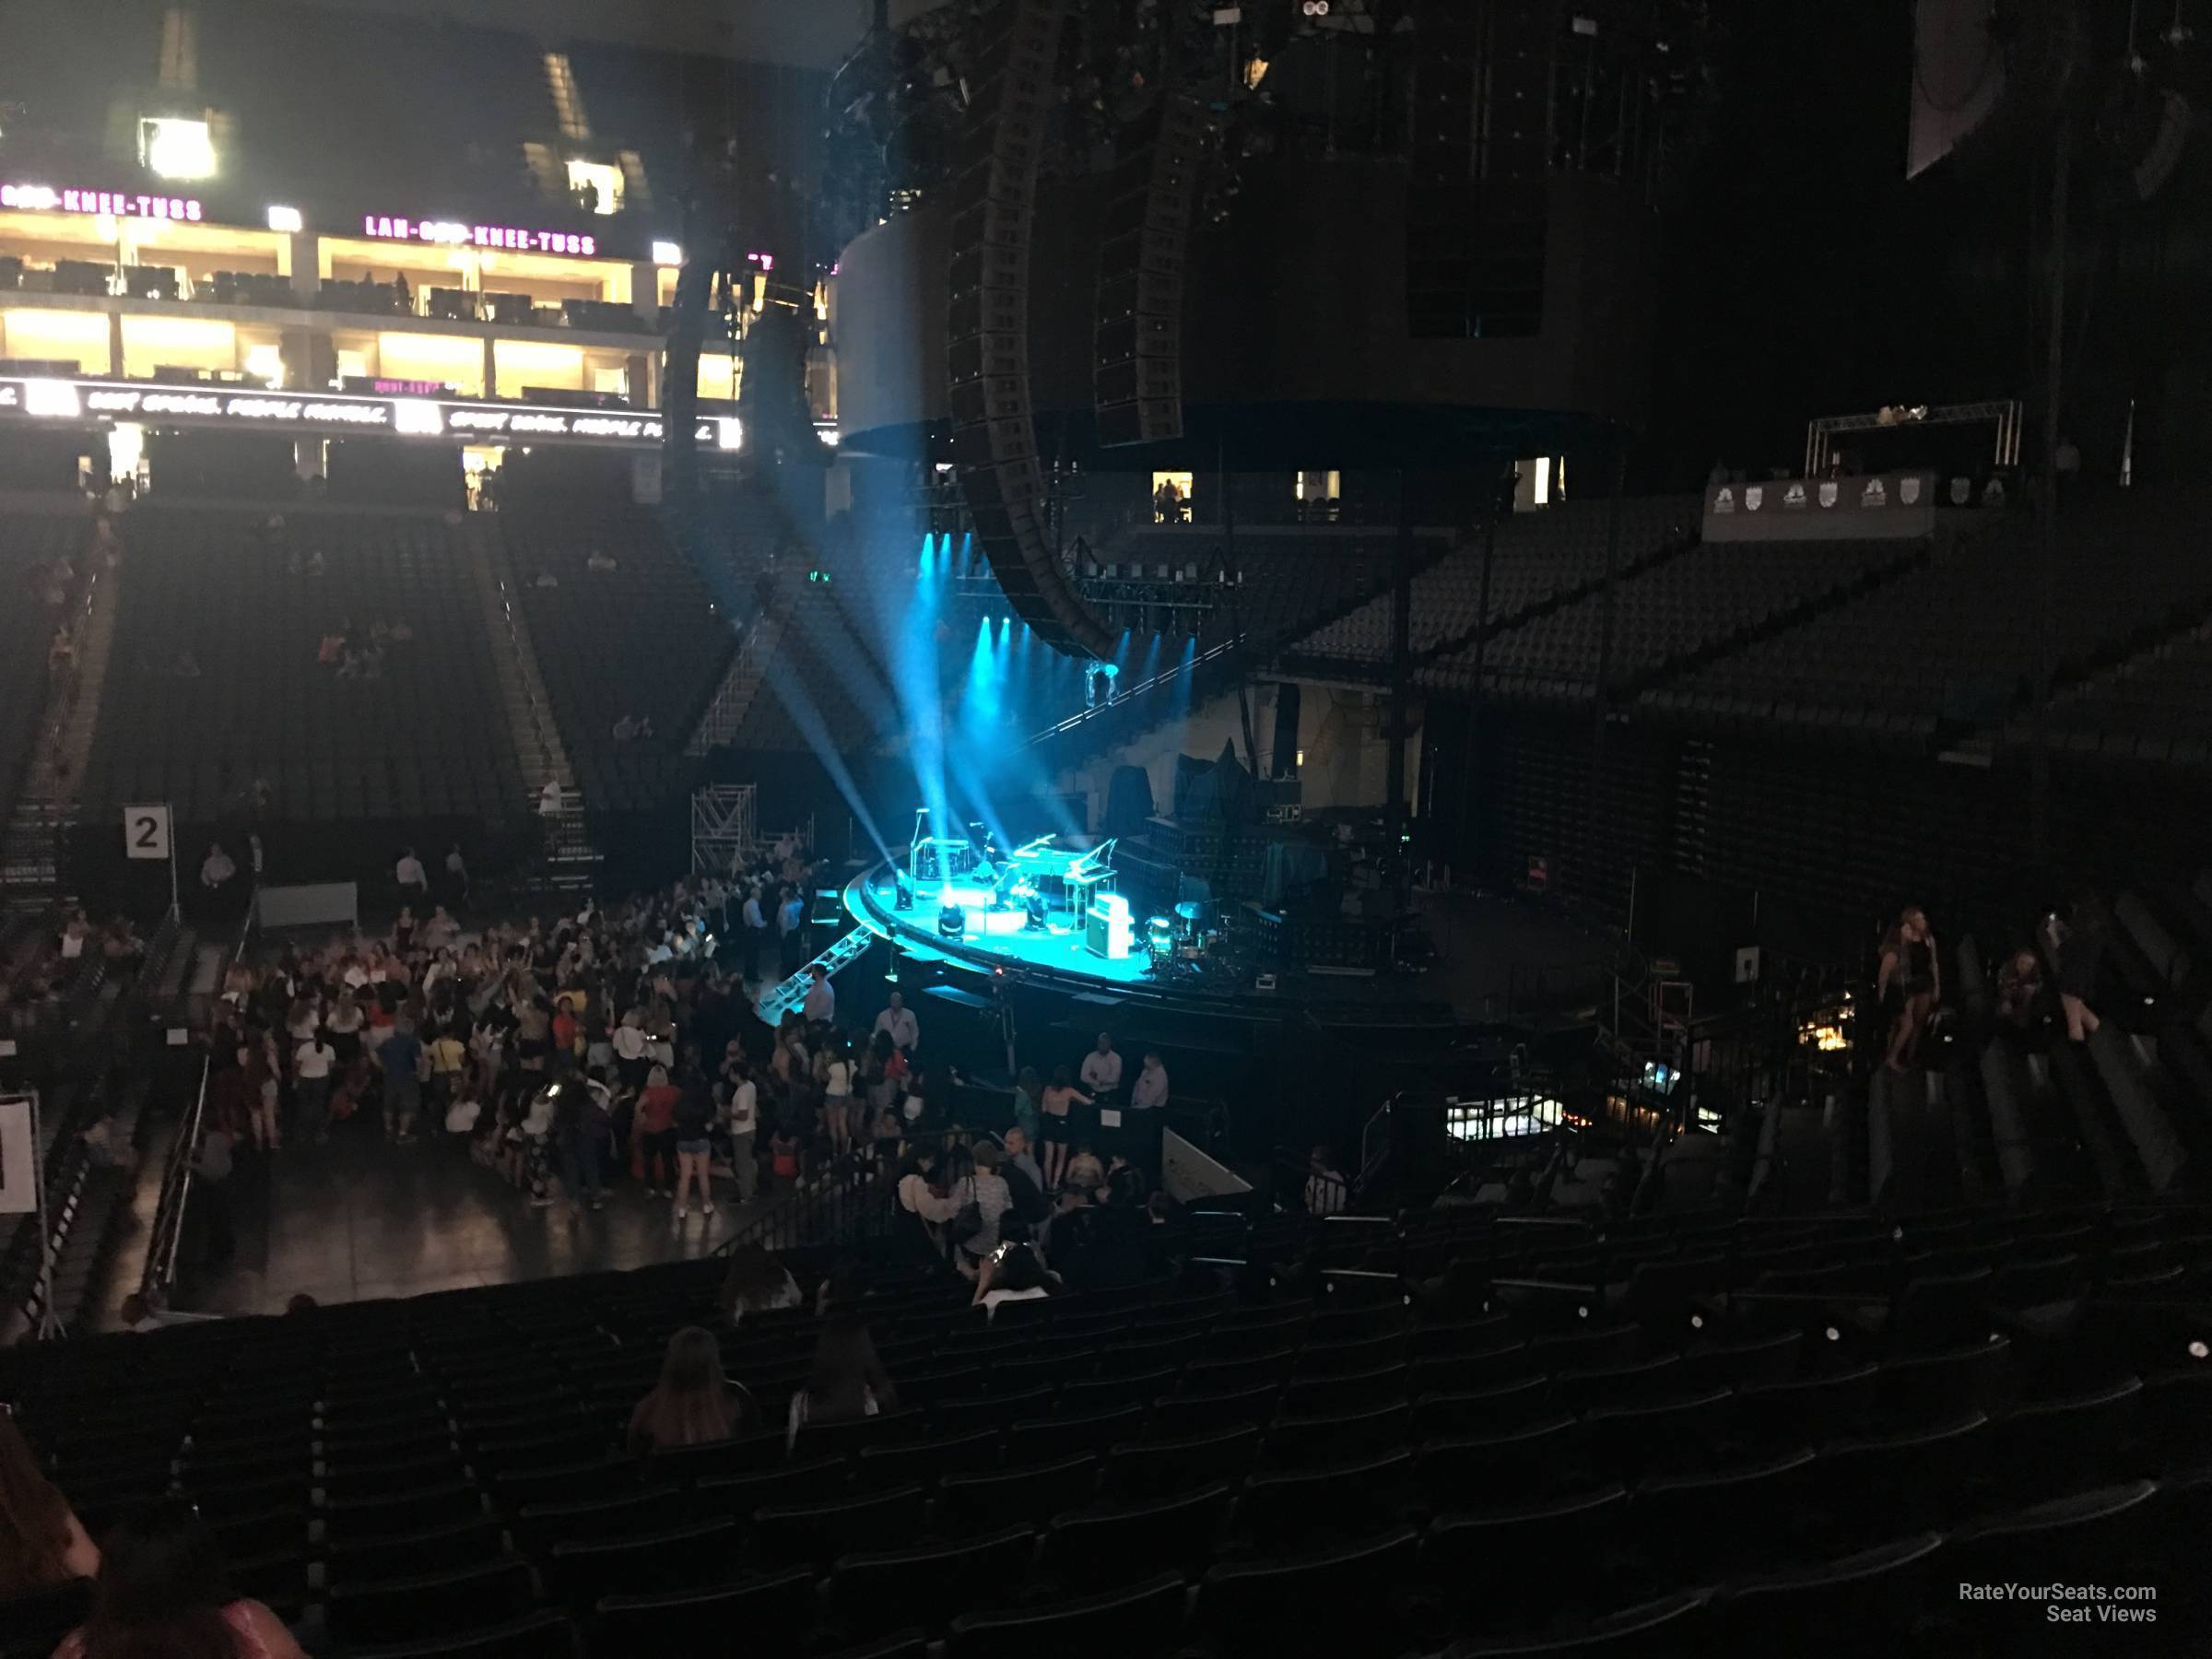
[
  {"x": 1493, "y": 951},
  {"x": 1059, "y": 947}
]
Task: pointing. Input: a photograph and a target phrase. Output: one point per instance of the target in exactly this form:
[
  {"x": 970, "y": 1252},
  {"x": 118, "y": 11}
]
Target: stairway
[
  {"x": 570, "y": 857},
  {"x": 732, "y": 699}
]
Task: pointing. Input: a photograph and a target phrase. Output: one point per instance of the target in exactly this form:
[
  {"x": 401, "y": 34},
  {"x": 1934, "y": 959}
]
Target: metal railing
[
  {"x": 839, "y": 1207},
  {"x": 1130, "y": 695},
  {"x": 167, "y": 1233}
]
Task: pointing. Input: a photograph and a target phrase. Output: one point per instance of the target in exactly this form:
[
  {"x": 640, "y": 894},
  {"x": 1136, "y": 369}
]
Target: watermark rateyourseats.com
[{"x": 2075, "y": 1603}]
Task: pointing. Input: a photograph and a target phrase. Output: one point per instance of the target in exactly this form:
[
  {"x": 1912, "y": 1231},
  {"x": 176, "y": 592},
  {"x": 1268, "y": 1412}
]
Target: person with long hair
[
  {"x": 1908, "y": 984},
  {"x": 1056, "y": 1100},
  {"x": 693, "y": 1404},
  {"x": 162, "y": 1593},
  {"x": 756, "y": 1283},
  {"x": 42, "y": 1541},
  {"x": 847, "y": 1381}
]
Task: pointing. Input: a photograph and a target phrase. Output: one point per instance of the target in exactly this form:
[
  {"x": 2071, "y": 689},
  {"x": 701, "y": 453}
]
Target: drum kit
[{"x": 1185, "y": 937}]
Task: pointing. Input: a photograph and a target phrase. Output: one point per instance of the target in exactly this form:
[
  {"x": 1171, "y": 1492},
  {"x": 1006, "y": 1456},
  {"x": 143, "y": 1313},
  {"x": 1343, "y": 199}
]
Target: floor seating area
[
  {"x": 1470, "y": 1431},
  {"x": 214, "y": 686},
  {"x": 641, "y": 640},
  {"x": 1539, "y": 556}
]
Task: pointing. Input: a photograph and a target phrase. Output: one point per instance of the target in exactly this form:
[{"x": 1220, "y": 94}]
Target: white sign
[
  {"x": 145, "y": 831},
  {"x": 18, "y": 1157}
]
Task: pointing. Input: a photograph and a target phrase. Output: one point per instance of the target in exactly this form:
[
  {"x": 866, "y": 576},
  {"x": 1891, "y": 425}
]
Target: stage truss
[{"x": 726, "y": 828}]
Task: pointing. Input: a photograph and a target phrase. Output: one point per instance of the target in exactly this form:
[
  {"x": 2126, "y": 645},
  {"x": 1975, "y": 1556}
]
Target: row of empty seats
[
  {"x": 1500, "y": 1431},
  {"x": 1538, "y": 555},
  {"x": 1955, "y": 642},
  {"x": 1697, "y": 601},
  {"x": 641, "y": 640},
  {"x": 214, "y": 693}
]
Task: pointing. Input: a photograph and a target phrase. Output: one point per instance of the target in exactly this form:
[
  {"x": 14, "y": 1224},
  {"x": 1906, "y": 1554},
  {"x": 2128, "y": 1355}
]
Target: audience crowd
[{"x": 622, "y": 1044}]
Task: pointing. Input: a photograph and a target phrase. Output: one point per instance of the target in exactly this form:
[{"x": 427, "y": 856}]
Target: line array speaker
[
  {"x": 993, "y": 422},
  {"x": 1136, "y": 345}
]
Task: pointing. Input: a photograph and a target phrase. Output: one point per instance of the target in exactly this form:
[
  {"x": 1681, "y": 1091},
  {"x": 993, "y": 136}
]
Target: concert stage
[{"x": 999, "y": 933}]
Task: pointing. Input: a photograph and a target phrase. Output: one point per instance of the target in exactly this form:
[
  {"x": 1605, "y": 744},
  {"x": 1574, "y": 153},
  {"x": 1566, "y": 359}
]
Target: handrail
[
  {"x": 168, "y": 1230},
  {"x": 1140, "y": 688},
  {"x": 834, "y": 1210}
]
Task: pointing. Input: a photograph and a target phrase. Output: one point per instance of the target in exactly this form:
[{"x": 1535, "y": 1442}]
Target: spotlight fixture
[{"x": 952, "y": 922}]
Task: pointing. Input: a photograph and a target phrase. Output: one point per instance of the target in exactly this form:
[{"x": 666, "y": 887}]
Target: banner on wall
[{"x": 1876, "y": 507}]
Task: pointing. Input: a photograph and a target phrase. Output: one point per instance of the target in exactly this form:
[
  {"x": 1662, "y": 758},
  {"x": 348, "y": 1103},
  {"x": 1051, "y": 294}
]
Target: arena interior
[{"x": 974, "y": 828}]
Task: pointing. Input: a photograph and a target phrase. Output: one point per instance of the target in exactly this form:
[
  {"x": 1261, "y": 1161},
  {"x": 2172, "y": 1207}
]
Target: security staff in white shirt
[
  {"x": 1102, "y": 1067},
  {"x": 900, "y": 1021}
]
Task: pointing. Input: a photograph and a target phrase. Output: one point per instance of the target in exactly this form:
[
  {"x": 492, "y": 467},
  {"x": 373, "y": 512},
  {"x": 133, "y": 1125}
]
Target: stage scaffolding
[{"x": 725, "y": 828}]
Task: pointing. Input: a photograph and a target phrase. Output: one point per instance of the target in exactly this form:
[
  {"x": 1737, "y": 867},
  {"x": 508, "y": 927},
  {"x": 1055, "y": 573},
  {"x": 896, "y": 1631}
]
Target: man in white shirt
[
  {"x": 410, "y": 874},
  {"x": 311, "y": 1062},
  {"x": 1102, "y": 1067},
  {"x": 900, "y": 1021},
  {"x": 742, "y": 1114},
  {"x": 821, "y": 1006},
  {"x": 1149, "y": 1092}
]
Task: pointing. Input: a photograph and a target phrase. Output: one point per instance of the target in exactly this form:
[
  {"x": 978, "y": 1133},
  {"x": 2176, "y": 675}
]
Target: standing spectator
[
  {"x": 743, "y": 1117},
  {"x": 312, "y": 1064},
  {"x": 580, "y": 1121},
  {"x": 694, "y": 1116},
  {"x": 656, "y": 1134},
  {"x": 992, "y": 1198},
  {"x": 413, "y": 880},
  {"x": 821, "y": 1006},
  {"x": 2075, "y": 947},
  {"x": 791, "y": 927},
  {"x": 1102, "y": 1071},
  {"x": 632, "y": 1064},
  {"x": 1910, "y": 983},
  {"x": 1149, "y": 1092},
  {"x": 1059, "y": 1096},
  {"x": 837, "y": 1092},
  {"x": 456, "y": 877},
  {"x": 898, "y": 1023},
  {"x": 1025, "y": 1180},
  {"x": 756, "y": 931},
  {"x": 400, "y": 1057}
]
